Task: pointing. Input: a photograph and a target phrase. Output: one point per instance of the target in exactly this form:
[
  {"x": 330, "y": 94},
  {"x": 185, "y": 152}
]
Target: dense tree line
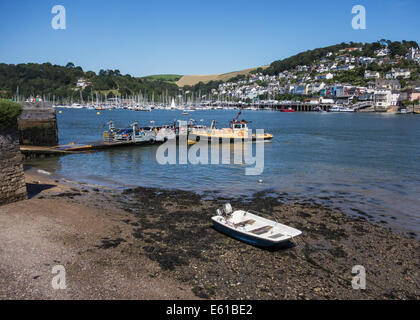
[{"x": 49, "y": 80}]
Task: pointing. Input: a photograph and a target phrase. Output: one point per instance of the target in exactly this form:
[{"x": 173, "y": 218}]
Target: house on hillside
[
  {"x": 327, "y": 76},
  {"x": 372, "y": 75},
  {"x": 393, "y": 85},
  {"x": 398, "y": 74},
  {"x": 82, "y": 83},
  {"x": 413, "y": 54},
  {"x": 382, "y": 52},
  {"x": 347, "y": 67}
]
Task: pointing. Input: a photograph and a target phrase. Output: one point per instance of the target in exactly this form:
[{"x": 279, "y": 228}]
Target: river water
[{"x": 357, "y": 162}]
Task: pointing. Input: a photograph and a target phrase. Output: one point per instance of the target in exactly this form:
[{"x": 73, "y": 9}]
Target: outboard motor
[{"x": 227, "y": 208}]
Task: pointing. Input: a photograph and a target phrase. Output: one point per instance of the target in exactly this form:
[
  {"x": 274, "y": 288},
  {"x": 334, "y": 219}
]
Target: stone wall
[
  {"x": 12, "y": 179},
  {"x": 38, "y": 124}
]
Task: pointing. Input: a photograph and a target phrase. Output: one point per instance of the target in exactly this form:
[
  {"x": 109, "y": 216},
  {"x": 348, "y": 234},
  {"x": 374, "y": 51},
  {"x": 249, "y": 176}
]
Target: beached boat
[{"x": 252, "y": 228}]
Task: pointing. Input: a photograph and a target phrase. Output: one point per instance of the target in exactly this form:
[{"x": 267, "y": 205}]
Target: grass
[{"x": 194, "y": 79}]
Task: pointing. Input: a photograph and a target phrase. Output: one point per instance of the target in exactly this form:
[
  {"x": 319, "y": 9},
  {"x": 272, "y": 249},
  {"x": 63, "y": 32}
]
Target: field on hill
[
  {"x": 164, "y": 77},
  {"x": 194, "y": 79}
]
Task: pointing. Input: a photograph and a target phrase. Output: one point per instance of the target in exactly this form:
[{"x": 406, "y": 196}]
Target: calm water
[{"x": 367, "y": 162}]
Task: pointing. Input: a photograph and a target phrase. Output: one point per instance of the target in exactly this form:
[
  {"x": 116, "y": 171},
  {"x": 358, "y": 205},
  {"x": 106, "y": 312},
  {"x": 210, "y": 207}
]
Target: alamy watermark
[
  {"x": 359, "y": 20},
  {"x": 359, "y": 280},
  {"x": 58, "y": 282},
  {"x": 58, "y": 22},
  {"x": 218, "y": 149}
]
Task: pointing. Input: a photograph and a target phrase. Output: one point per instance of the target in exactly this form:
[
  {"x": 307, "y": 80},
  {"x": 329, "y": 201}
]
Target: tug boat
[
  {"x": 252, "y": 228},
  {"x": 238, "y": 130}
]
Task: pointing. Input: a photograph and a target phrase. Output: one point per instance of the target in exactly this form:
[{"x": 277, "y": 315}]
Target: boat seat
[
  {"x": 244, "y": 223},
  {"x": 276, "y": 236},
  {"x": 261, "y": 230}
]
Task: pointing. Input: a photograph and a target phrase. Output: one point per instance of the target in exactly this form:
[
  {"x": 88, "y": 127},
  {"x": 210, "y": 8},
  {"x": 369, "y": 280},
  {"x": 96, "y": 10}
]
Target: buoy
[
  {"x": 60, "y": 111},
  {"x": 98, "y": 113},
  {"x": 260, "y": 181}
]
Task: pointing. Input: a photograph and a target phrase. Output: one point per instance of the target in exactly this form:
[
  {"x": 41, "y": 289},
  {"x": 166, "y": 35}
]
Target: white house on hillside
[{"x": 372, "y": 74}]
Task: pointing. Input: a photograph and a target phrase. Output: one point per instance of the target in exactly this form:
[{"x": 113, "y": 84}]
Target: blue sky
[{"x": 191, "y": 37}]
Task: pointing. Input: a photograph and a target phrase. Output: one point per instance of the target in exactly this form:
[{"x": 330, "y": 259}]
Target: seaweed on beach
[{"x": 174, "y": 229}]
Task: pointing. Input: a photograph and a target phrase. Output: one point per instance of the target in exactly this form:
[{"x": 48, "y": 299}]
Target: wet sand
[{"x": 148, "y": 243}]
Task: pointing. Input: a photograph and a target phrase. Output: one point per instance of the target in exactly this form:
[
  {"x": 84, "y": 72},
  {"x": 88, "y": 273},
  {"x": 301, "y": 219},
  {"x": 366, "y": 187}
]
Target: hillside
[
  {"x": 61, "y": 82},
  {"x": 195, "y": 79}
]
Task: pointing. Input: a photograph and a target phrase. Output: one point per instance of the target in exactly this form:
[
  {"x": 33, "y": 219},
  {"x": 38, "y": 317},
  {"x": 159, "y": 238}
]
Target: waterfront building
[{"x": 383, "y": 98}]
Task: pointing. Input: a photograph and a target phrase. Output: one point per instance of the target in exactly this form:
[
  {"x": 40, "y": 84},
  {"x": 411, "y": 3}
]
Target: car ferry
[{"x": 238, "y": 130}]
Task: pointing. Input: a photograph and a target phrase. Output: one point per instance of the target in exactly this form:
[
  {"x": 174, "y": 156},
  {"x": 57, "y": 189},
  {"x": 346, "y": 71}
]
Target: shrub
[{"x": 9, "y": 111}]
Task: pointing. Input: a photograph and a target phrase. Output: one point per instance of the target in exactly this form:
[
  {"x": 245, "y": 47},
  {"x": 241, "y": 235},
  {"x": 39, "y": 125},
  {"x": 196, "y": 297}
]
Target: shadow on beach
[{"x": 34, "y": 188}]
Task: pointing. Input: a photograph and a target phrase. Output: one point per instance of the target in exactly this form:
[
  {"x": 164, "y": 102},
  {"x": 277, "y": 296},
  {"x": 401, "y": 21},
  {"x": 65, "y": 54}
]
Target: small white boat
[
  {"x": 338, "y": 108},
  {"x": 251, "y": 228}
]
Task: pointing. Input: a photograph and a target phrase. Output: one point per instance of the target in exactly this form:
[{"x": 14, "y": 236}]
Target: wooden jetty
[
  {"x": 41, "y": 152},
  {"x": 31, "y": 152}
]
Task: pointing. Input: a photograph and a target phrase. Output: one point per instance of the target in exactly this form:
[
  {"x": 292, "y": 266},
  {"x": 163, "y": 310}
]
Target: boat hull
[
  {"x": 249, "y": 239},
  {"x": 197, "y": 137}
]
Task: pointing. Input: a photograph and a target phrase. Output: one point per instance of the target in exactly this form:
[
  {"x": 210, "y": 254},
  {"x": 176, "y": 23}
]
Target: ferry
[
  {"x": 251, "y": 228},
  {"x": 238, "y": 130}
]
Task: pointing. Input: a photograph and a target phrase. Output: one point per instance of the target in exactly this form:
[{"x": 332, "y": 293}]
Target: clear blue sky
[{"x": 191, "y": 37}]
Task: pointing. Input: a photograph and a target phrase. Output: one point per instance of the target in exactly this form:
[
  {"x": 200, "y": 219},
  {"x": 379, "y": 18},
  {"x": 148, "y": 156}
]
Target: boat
[
  {"x": 76, "y": 106},
  {"x": 251, "y": 228},
  {"x": 238, "y": 130},
  {"x": 165, "y": 133},
  {"x": 319, "y": 109},
  {"x": 338, "y": 108},
  {"x": 287, "y": 110}
]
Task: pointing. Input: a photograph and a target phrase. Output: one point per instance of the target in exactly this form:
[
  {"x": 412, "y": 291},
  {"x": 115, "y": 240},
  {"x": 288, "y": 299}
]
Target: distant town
[
  {"x": 380, "y": 77},
  {"x": 316, "y": 84}
]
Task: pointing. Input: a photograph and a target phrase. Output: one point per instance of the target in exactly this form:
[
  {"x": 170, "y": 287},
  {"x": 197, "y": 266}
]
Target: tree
[
  {"x": 397, "y": 48},
  {"x": 9, "y": 111}
]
